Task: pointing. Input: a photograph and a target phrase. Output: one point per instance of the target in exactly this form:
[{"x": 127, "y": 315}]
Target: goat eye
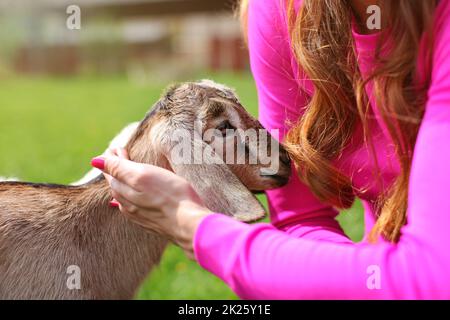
[{"x": 224, "y": 126}]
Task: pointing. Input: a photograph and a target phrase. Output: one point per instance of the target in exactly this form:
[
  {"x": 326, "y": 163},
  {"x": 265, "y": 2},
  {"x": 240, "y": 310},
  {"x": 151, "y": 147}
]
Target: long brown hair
[{"x": 323, "y": 46}]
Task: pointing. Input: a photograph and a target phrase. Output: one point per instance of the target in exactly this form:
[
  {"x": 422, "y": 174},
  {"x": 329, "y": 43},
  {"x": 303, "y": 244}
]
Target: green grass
[{"x": 51, "y": 128}]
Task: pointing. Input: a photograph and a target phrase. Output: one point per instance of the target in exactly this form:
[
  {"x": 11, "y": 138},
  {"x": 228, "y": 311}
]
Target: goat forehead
[
  {"x": 212, "y": 84},
  {"x": 226, "y": 91}
]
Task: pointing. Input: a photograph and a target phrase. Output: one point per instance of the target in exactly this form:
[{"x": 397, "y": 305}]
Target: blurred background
[
  {"x": 68, "y": 85},
  {"x": 142, "y": 39}
]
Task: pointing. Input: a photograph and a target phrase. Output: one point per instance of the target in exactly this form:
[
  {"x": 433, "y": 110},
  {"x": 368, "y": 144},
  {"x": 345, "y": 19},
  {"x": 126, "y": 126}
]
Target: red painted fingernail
[
  {"x": 98, "y": 163},
  {"x": 114, "y": 204}
]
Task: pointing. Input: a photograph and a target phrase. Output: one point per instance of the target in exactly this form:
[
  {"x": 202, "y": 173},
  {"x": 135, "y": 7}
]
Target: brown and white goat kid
[{"x": 48, "y": 232}]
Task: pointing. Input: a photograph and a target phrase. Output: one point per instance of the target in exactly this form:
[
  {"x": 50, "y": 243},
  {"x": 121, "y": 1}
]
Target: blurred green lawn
[{"x": 50, "y": 128}]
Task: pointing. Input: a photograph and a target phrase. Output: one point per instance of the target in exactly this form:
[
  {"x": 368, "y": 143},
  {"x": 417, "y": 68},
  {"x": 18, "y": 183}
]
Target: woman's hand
[{"x": 154, "y": 198}]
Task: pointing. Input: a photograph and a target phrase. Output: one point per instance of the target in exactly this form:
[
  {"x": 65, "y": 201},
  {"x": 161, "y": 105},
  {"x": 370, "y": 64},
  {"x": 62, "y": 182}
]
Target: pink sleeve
[
  {"x": 280, "y": 101},
  {"x": 261, "y": 262}
]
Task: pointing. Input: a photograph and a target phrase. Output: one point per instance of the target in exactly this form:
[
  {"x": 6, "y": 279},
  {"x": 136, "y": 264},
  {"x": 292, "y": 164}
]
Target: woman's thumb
[{"x": 114, "y": 166}]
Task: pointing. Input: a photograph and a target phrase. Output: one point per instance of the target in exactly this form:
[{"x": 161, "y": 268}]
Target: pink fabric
[{"x": 304, "y": 253}]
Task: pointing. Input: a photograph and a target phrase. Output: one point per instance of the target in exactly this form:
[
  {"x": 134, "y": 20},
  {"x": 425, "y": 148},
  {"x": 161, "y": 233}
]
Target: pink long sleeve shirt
[{"x": 304, "y": 253}]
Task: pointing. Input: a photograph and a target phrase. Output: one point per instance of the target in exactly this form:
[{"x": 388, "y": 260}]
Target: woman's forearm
[
  {"x": 260, "y": 262},
  {"x": 190, "y": 216}
]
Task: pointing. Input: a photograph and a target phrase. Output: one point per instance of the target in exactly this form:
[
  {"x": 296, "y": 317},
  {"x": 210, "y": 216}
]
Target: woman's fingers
[
  {"x": 122, "y": 153},
  {"x": 132, "y": 181},
  {"x": 118, "y": 152},
  {"x": 140, "y": 177},
  {"x": 125, "y": 205},
  {"x": 121, "y": 169},
  {"x": 121, "y": 192},
  {"x": 114, "y": 152}
]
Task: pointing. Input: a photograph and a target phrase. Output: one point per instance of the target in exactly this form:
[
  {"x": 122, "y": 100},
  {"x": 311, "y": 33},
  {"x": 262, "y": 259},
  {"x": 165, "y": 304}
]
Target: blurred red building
[{"x": 132, "y": 36}]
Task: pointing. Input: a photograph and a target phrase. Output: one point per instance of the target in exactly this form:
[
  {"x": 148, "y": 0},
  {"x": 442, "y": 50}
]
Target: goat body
[{"x": 70, "y": 226}]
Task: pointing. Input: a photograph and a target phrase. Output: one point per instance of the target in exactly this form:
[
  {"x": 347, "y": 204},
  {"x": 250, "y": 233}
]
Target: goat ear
[{"x": 220, "y": 190}]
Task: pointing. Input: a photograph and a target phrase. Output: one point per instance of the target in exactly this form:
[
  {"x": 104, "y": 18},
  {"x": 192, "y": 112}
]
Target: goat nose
[{"x": 284, "y": 157}]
